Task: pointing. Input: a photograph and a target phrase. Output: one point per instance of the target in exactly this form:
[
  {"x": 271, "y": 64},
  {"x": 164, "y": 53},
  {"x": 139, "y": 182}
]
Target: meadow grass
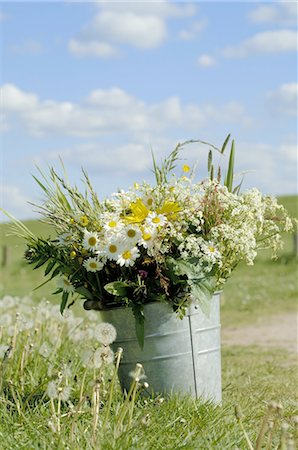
[{"x": 37, "y": 347}]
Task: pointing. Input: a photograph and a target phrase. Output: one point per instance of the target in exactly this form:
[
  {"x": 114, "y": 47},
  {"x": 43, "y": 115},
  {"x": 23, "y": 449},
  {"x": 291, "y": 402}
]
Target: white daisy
[
  {"x": 148, "y": 236},
  {"x": 148, "y": 201},
  {"x": 65, "y": 284},
  {"x": 113, "y": 249},
  {"x": 113, "y": 225},
  {"x": 64, "y": 238},
  {"x": 128, "y": 257},
  {"x": 91, "y": 240},
  {"x": 131, "y": 234},
  {"x": 156, "y": 220},
  {"x": 92, "y": 265}
]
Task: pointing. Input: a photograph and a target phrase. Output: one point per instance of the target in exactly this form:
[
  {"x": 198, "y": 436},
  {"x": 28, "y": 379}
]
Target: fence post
[
  {"x": 4, "y": 255},
  {"x": 295, "y": 242}
]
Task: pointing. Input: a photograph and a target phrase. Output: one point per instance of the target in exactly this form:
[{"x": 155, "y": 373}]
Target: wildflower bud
[
  {"x": 60, "y": 389},
  {"x": 160, "y": 400},
  {"x": 285, "y": 426},
  {"x": 146, "y": 385},
  {"x": 52, "y": 426},
  {"x": 145, "y": 421},
  {"x": 73, "y": 254},
  {"x": 238, "y": 413},
  {"x": 291, "y": 444},
  {"x": 272, "y": 405},
  {"x": 295, "y": 420}
]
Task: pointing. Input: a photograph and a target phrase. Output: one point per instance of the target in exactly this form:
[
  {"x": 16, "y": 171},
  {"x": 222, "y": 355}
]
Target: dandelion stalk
[
  {"x": 239, "y": 416},
  {"x": 125, "y": 407},
  {"x": 96, "y": 404},
  {"x": 111, "y": 392}
]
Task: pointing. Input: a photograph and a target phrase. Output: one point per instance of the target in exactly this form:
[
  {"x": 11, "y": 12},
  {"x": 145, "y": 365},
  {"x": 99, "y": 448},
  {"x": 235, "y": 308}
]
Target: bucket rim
[{"x": 117, "y": 308}]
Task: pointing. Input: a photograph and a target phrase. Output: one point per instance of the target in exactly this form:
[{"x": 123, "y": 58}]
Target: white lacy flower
[
  {"x": 105, "y": 333},
  {"x": 92, "y": 265},
  {"x": 128, "y": 257}
]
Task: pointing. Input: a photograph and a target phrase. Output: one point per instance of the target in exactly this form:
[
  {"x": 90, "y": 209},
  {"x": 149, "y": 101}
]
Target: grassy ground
[{"x": 252, "y": 376}]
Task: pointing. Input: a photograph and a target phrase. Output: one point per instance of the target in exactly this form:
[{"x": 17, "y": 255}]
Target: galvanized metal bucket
[{"x": 178, "y": 355}]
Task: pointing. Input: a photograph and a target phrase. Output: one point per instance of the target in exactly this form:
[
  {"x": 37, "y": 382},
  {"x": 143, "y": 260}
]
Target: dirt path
[{"x": 278, "y": 331}]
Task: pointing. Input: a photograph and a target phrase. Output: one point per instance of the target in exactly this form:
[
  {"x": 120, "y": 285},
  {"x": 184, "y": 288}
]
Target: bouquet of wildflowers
[{"x": 170, "y": 242}]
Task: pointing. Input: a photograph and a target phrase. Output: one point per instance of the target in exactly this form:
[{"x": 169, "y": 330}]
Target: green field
[{"x": 252, "y": 376}]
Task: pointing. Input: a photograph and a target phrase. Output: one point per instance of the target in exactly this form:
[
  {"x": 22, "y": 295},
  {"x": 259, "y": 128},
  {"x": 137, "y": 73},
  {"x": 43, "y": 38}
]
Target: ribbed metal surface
[{"x": 178, "y": 355}]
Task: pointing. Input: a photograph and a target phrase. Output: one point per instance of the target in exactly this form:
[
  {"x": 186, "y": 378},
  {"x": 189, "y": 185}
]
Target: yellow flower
[
  {"x": 139, "y": 212},
  {"x": 186, "y": 168},
  {"x": 169, "y": 209},
  {"x": 73, "y": 254},
  {"x": 84, "y": 221}
]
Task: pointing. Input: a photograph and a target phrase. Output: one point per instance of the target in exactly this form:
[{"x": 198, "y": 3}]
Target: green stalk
[{"x": 111, "y": 392}]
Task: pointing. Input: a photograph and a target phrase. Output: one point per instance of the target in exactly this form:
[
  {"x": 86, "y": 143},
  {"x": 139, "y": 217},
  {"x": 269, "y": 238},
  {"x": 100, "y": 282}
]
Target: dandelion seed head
[
  {"x": 103, "y": 355},
  {"x": 45, "y": 350},
  {"x": 105, "y": 333},
  {"x": 52, "y": 390}
]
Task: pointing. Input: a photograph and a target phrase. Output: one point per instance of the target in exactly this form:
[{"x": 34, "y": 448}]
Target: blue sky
[{"x": 99, "y": 84}]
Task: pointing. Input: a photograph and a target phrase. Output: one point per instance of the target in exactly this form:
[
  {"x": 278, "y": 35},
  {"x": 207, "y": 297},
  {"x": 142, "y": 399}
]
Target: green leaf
[
  {"x": 225, "y": 143},
  {"x": 139, "y": 324},
  {"x": 118, "y": 288},
  {"x": 84, "y": 292},
  {"x": 56, "y": 272},
  {"x": 64, "y": 301},
  {"x": 209, "y": 160},
  {"x": 41, "y": 262},
  {"x": 189, "y": 267},
  {"x": 212, "y": 172},
  {"x": 202, "y": 291},
  {"x": 50, "y": 266},
  {"x": 230, "y": 174}
]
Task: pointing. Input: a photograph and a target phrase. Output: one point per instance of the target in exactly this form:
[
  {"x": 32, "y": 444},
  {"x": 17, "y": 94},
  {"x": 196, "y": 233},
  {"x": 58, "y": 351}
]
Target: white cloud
[
  {"x": 193, "y": 30},
  {"x": 284, "y": 99},
  {"x": 28, "y": 47},
  {"x": 127, "y": 27},
  {"x": 91, "y": 48},
  {"x": 206, "y": 61},
  {"x": 14, "y": 201},
  {"x": 142, "y": 25},
  {"x": 15, "y": 100},
  {"x": 4, "y": 127},
  {"x": 3, "y": 16},
  {"x": 105, "y": 112},
  {"x": 281, "y": 13},
  {"x": 277, "y": 41},
  {"x": 128, "y": 158}
]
